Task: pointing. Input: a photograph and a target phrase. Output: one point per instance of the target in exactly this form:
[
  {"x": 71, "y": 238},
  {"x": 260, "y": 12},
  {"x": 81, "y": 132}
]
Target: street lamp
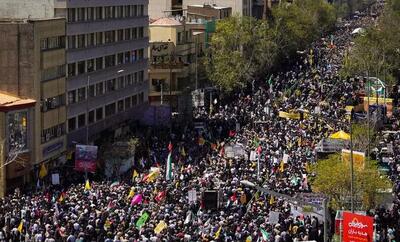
[{"x": 296, "y": 201}]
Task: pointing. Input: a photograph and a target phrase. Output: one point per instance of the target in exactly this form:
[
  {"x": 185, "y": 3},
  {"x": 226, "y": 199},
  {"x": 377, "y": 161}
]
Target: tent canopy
[{"x": 340, "y": 135}]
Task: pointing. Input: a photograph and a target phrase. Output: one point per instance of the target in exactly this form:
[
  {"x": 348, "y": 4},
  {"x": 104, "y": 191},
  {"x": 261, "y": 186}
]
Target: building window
[
  {"x": 141, "y": 98},
  {"x": 99, "y": 38},
  {"x": 90, "y": 40},
  {"x": 71, "y": 69},
  {"x": 109, "y": 36},
  {"x": 91, "y": 90},
  {"x": 90, "y": 14},
  {"x": 99, "y": 12},
  {"x": 81, "y": 41},
  {"x": 111, "y": 85},
  {"x": 53, "y": 132},
  {"x": 90, "y": 65},
  {"x": 108, "y": 12},
  {"x": 71, "y": 15},
  {"x": 53, "y": 73},
  {"x": 50, "y": 43},
  {"x": 180, "y": 40},
  {"x": 120, "y": 10},
  {"x": 71, "y": 42},
  {"x": 127, "y": 11},
  {"x": 134, "y": 33},
  {"x": 134, "y": 10},
  {"x": 120, "y": 105},
  {"x": 81, "y": 94},
  {"x": 127, "y": 103},
  {"x": 128, "y": 80},
  {"x": 141, "y": 32},
  {"x": 141, "y": 76},
  {"x": 140, "y": 10},
  {"x": 120, "y": 35},
  {"x": 81, "y": 14},
  {"x": 128, "y": 34},
  {"x": 110, "y": 109},
  {"x": 81, "y": 67},
  {"x": 17, "y": 128},
  {"x": 81, "y": 120},
  {"x": 135, "y": 78},
  {"x": 72, "y": 97},
  {"x": 99, "y": 63},
  {"x": 91, "y": 117},
  {"x": 134, "y": 100},
  {"x": 141, "y": 54},
  {"x": 99, "y": 114},
  {"x": 71, "y": 124},
  {"x": 109, "y": 61},
  {"x": 121, "y": 82},
  {"x": 53, "y": 102},
  {"x": 99, "y": 89},
  {"x": 120, "y": 58}
]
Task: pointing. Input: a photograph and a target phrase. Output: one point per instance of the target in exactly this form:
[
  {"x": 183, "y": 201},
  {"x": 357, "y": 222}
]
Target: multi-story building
[
  {"x": 33, "y": 67},
  {"x": 172, "y": 74},
  {"x": 240, "y": 7},
  {"x": 107, "y": 48},
  {"x": 207, "y": 12},
  {"x": 165, "y": 8}
]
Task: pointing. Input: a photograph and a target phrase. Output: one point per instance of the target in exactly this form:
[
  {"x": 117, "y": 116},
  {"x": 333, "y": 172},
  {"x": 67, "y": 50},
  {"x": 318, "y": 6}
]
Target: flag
[
  {"x": 271, "y": 200},
  {"x": 135, "y": 174},
  {"x": 20, "y": 226},
  {"x": 216, "y": 236},
  {"x": 160, "y": 227},
  {"x": 222, "y": 151},
  {"x": 202, "y": 141},
  {"x": 43, "y": 171},
  {"x": 142, "y": 220},
  {"x": 232, "y": 133},
  {"x": 259, "y": 150},
  {"x": 61, "y": 198},
  {"x": 282, "y": 166},
  {"x": 151, "y": 176},
  {"x": 131, "y": 192},
  {"x": 168, "y": 174},
  {"x": 160, "y": 196},
  {"x": 265, "y": 234},
  {"x": 137, "y": 199},
  {"x": 249, "y": 239},
  {"x": 233, "y": 197},
  {"x": 87, "y": 186},
  {"x": 183, "y": 153},
  {"x": 170, "y": 147},
  {"x": 188, "y": 217},
  {"x": 107, "y": 225}
]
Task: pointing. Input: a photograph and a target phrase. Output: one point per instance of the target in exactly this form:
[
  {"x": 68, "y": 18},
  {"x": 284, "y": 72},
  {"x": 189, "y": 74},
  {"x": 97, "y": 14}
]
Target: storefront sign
[
  {"x": 52, "y": 148},
  {"x": 357, "y": 228}
]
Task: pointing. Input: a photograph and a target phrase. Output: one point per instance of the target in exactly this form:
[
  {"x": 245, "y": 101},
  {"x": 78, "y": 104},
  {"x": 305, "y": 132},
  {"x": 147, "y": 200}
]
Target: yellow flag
[
  {"x": 131, "y": 193},
  {"x": 282, "y": 166},
  {"x": 87, "y": 185},
  {"x": 183, "y": 153},
  {"x": 20, "y": 226},
  {"x": 160, "y": 227},
  {"x": 271, "y": 200},
  {"x": 135, "y": 174},
  {"x": 249, "y": 239},
  {"x": 43, "y": 171},
  {"x": 218, "y": 233},
  {"x": 61, "y": 198}
]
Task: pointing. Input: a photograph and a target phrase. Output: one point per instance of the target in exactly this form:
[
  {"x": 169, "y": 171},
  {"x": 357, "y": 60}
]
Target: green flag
[
  {"x": 265, "y": 234},
  {"x": 142, "y": 220}
]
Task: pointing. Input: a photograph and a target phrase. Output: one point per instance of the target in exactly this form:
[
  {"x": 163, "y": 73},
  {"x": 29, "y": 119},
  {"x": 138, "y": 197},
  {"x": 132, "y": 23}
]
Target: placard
[
  {"x": 55, "y": 179},
  {"x": 357, "y": 228}
]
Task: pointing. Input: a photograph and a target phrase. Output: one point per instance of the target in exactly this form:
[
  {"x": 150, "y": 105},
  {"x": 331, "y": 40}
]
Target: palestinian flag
[{"x": 265, "y": 234}]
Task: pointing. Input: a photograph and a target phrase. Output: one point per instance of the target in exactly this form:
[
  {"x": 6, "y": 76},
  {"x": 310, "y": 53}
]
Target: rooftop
[
  {"x": 8, "y": 101},
  {"x": 207, "y": 6},
  {"x": 166, "y": 22}
]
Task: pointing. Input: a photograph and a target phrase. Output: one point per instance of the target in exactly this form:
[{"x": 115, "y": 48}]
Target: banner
[
  {"x": 289, "y": 115},
  {"x": 380, "y": 101},
  {"x": 358, "y": 158},
  {"x": 357, "y": 228},
  {"x": 85, "y": 158}
]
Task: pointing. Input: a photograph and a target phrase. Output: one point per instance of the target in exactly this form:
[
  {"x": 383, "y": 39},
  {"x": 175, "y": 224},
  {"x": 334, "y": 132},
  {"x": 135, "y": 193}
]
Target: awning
[
  {"x": 9, "y": 102},
  {"x": 340, "y": 135}
]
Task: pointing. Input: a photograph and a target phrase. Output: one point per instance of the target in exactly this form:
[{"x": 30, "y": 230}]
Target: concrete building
[
  {"x": 165, "y": 8},
  {"x": 207, "y": 12},
  {"x": 107, "y": 48},
  {"x": 32, "y": 65},
  {"x": 172, "y": 73},
  {"x": 240, "y": 7}
]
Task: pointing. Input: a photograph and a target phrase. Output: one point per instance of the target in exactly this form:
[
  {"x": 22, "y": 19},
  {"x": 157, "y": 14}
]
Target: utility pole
[{"x": 267, "y": 9}]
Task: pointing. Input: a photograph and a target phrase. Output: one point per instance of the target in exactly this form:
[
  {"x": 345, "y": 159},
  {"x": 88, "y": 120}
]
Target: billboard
[
  {"x": 85, "y": 158},
  {"x": 357, "y": 228},
  {"x": 358, "y": 158}
]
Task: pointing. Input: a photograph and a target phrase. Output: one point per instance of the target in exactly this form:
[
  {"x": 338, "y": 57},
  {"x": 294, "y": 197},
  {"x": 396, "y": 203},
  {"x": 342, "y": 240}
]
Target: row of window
[
  {"x": 56, "y": 42},
  {"x": 53, "y": 103},
  {"x": 53, "y": 72},
  {"x": 101, "y": 88},
  {"x": 101, "y": 38},
  {"x": 100, "y": 63},
  {"x": 105, "y": 112},
  {"x": 103, "y": 13},
  {"x": 52, "y": 133}
]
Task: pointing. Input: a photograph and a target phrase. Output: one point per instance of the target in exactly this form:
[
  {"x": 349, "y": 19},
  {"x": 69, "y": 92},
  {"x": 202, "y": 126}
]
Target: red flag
[
  {"x": 259, "y": 149},
  {"x": 233, "y": 197},
  {"x": 170, "y": 147},
  {"x": 160, "y": 196},
  {"x": 232, "y": 133},
  {"x": 222, "y": 151}
]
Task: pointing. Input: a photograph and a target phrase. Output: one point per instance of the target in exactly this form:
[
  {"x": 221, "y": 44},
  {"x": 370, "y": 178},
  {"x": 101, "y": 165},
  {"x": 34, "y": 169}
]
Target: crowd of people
[{"x": 147, "y": 206}]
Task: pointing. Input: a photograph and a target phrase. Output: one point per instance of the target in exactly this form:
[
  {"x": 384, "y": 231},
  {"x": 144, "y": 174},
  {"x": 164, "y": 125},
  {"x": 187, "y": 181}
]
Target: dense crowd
[{"x": 146, "y": 206}]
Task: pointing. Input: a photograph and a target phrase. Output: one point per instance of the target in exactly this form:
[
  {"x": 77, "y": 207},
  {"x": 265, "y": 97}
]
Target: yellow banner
[
  {"x": 160, "y": 227},
  {"x": 358, "y": 158},
  {"x": 372, "y": 100},
  {"x": 289, "y": 115}
]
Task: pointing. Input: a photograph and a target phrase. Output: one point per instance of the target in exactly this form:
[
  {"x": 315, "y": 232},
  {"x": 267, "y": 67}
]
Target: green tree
[
  {"x": 334, "y": 180},
  {"x": 239, "y": 49}
]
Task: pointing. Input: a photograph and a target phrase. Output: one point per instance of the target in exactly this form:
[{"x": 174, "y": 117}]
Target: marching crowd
[{"x": 145, "y": 206}]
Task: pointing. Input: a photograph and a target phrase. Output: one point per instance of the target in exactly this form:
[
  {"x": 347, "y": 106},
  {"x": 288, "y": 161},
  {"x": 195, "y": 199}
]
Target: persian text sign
[{"x": 357, "y": 228}]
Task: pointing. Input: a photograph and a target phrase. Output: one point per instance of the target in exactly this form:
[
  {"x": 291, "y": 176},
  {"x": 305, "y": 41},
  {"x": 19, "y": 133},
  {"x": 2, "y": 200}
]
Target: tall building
[
  {"x": 240, "y": 7},
  {"x": 32, "y": 71},
  {"x": 107, "y": 44},
  {"x": 165, "y": 8},
  {"x": 207, "y": 12}
]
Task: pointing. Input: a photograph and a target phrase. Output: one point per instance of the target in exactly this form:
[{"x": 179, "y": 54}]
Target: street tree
[{"x": 334, "y": 180}]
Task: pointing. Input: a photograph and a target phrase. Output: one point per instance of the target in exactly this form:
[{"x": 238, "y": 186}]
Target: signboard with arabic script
[
  {"x": 161, "y": 52},
  {"x": 357, "y": 228}
]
